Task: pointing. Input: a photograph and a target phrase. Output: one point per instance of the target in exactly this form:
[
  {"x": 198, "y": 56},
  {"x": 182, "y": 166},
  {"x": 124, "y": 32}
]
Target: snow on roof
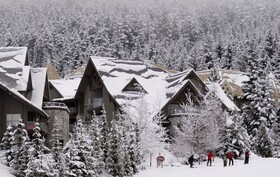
[
  {"x": 116, "y": 74},
  {"x": 12, "y": 67},
  {"x": 38, "y": 76},
  {"x": 66, "y": 87},
  {"x": 218, "y": 91},
  {"x": 233, "y": 79}
]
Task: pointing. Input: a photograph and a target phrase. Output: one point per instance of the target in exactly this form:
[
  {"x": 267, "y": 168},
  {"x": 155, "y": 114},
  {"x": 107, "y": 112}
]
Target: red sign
[{"x": 160, "y": 158}]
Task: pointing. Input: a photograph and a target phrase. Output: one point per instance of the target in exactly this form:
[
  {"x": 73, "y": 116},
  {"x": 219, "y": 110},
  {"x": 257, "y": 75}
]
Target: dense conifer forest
[{"x": 178, "y": 34}]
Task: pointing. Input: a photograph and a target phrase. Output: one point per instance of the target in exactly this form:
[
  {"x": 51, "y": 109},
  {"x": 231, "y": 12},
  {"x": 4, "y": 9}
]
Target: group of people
[{"x": 230, "y": 156}]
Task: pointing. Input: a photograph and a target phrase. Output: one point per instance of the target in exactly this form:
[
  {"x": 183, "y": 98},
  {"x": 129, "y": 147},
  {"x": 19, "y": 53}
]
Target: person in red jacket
[
  {"x": 247, "y": 155},
  {"x": 210, "y": 157},
  {"x": 230, "y": 157}
]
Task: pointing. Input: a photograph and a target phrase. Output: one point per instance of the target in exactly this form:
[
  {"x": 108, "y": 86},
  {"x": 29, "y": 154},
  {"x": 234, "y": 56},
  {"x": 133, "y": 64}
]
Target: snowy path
[{"x": 257, "y": 168}]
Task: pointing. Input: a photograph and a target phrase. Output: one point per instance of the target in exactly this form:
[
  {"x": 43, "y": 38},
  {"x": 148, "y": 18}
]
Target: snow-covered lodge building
[
  {"x": 116, "y": 85},
  {"x": 25, "y": 95}
]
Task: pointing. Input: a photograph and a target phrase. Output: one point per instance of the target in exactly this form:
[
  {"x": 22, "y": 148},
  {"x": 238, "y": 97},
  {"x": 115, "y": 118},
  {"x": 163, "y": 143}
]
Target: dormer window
[{"x": 134, "y": 87}]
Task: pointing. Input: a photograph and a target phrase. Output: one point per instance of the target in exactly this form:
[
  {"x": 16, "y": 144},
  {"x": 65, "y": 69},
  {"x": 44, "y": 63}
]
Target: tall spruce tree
[
  {"x": 96, "y": 151},
  {"x": 40, "y": 161},
  {"x": 77, "y": 151},
  {"x": 7, "y": 143},
  {"x": 115, "y": 160},
  {"x": 262, "y": 142},
  {"x": 104, "y": 131},
  {"x": 19, "y": 149},
  {"x": 56, "y": 147}
]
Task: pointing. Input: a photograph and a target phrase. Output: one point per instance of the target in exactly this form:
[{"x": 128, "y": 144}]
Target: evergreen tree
[
  {"x": 7, "y": 144},
  {"x": 235, "y": 137},
  {"x": 104, "y": 131},
  {"x": 56, "y": 149},
  {"x": 39, "y": 163},
  {"x": 115, "y": 160},
  {"x": 227, "y": 58},
  {"x": 96, "y": 152},
  {"x": 77, "y": 152},
  {"x": 262, "y": 142},
  {"x": 19, "y": 149},
  {"x": 208, "y": 56}
]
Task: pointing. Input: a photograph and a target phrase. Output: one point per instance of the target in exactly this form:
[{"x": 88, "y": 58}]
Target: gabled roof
[
  {"x": 160, "y": 86},
  {"x": 14, "y": 69},
  {"x": 219, "y": 92},
  {"x": 21, "y": 98},
  {"x": 135, "y": 84},
  {"x": 66, "y": 87},
  {"x": 231, "y": 79},
  {"x": 39, "y": 78}
]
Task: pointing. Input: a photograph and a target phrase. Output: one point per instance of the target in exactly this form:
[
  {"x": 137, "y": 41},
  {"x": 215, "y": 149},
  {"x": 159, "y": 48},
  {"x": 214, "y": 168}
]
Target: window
[
  {"x": 31, "y": 120},
  {"x": 12, "y": 119}
]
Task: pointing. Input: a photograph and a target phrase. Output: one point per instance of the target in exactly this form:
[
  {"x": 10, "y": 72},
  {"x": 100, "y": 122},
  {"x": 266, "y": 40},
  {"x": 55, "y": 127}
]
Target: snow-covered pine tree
[
  {"x": 7, "y": 143},
  {"x": 19, "y": 149},
  {"x": 131, "y": 149},
  {"x": 115, "y": 155},
  {"x": 104, "y": 131},
  {"x": 138, "y": 153},
  {"x": 56, "y": 147},
  {"x": 249, "y": 87},
  {"x": 40, "y": 161},
  {"x": 235, "y": 137},
  {"x": 219, "y": 52},
  {"x": 275, "y": 138},
  {"x": 262, "y": 142},
  {"x": 208, "y": 56},
  {"x": 97, "y": 164},
  {"x": 23, "y": 159},
  {"x": 77, "y": 149},
  {"x": 227, "y": 58}
]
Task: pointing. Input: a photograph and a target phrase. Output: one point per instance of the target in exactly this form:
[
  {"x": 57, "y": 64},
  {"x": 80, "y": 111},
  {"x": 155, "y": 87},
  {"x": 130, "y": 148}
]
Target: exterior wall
[
  {"x": 10, "y": 105},
  {"x": 111, "y": 110},
  {"x": 110, "y": 107},
  {"x": 2, "y": 114},
  {"x": 62, "y": 115},
  {"x": 54, "y": 93}
]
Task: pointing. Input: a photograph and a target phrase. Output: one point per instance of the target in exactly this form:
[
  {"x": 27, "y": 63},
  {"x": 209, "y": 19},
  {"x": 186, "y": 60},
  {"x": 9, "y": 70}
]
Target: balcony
[
  {"x": 73, "y": 110},
  {"x": 176, "y": 109},
  {"x": 94, "y": 103},
  {"x": 53, "y": 104}
]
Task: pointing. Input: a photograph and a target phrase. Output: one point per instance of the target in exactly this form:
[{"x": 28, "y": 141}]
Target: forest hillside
[{"x": 178, "y": 34}]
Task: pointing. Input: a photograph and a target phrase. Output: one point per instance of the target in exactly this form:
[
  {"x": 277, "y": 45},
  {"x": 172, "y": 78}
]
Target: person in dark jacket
[
  {"x": 191, "y": 159},
  {"x": 230, "y": 157},
  {"x": 247, "y": 155},
  {"x": 225, "y": 159},
  {"x": 210, "y": 157}
]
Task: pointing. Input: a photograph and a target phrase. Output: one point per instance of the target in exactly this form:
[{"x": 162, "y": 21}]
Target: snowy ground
[
  {"x": 4, "y": 171},
  {"x": 258, "y": 167}
]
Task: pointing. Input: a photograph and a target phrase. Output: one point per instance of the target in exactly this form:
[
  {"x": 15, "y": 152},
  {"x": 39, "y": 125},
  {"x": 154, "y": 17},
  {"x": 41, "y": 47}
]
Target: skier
[
  {"x": 230, "y": 157},
  {"x": 247, "y": 155},
  {"x": 191, "y": 159},
  {"x": 225, "y": 159},
  {"x": 210, "y": 156}
]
